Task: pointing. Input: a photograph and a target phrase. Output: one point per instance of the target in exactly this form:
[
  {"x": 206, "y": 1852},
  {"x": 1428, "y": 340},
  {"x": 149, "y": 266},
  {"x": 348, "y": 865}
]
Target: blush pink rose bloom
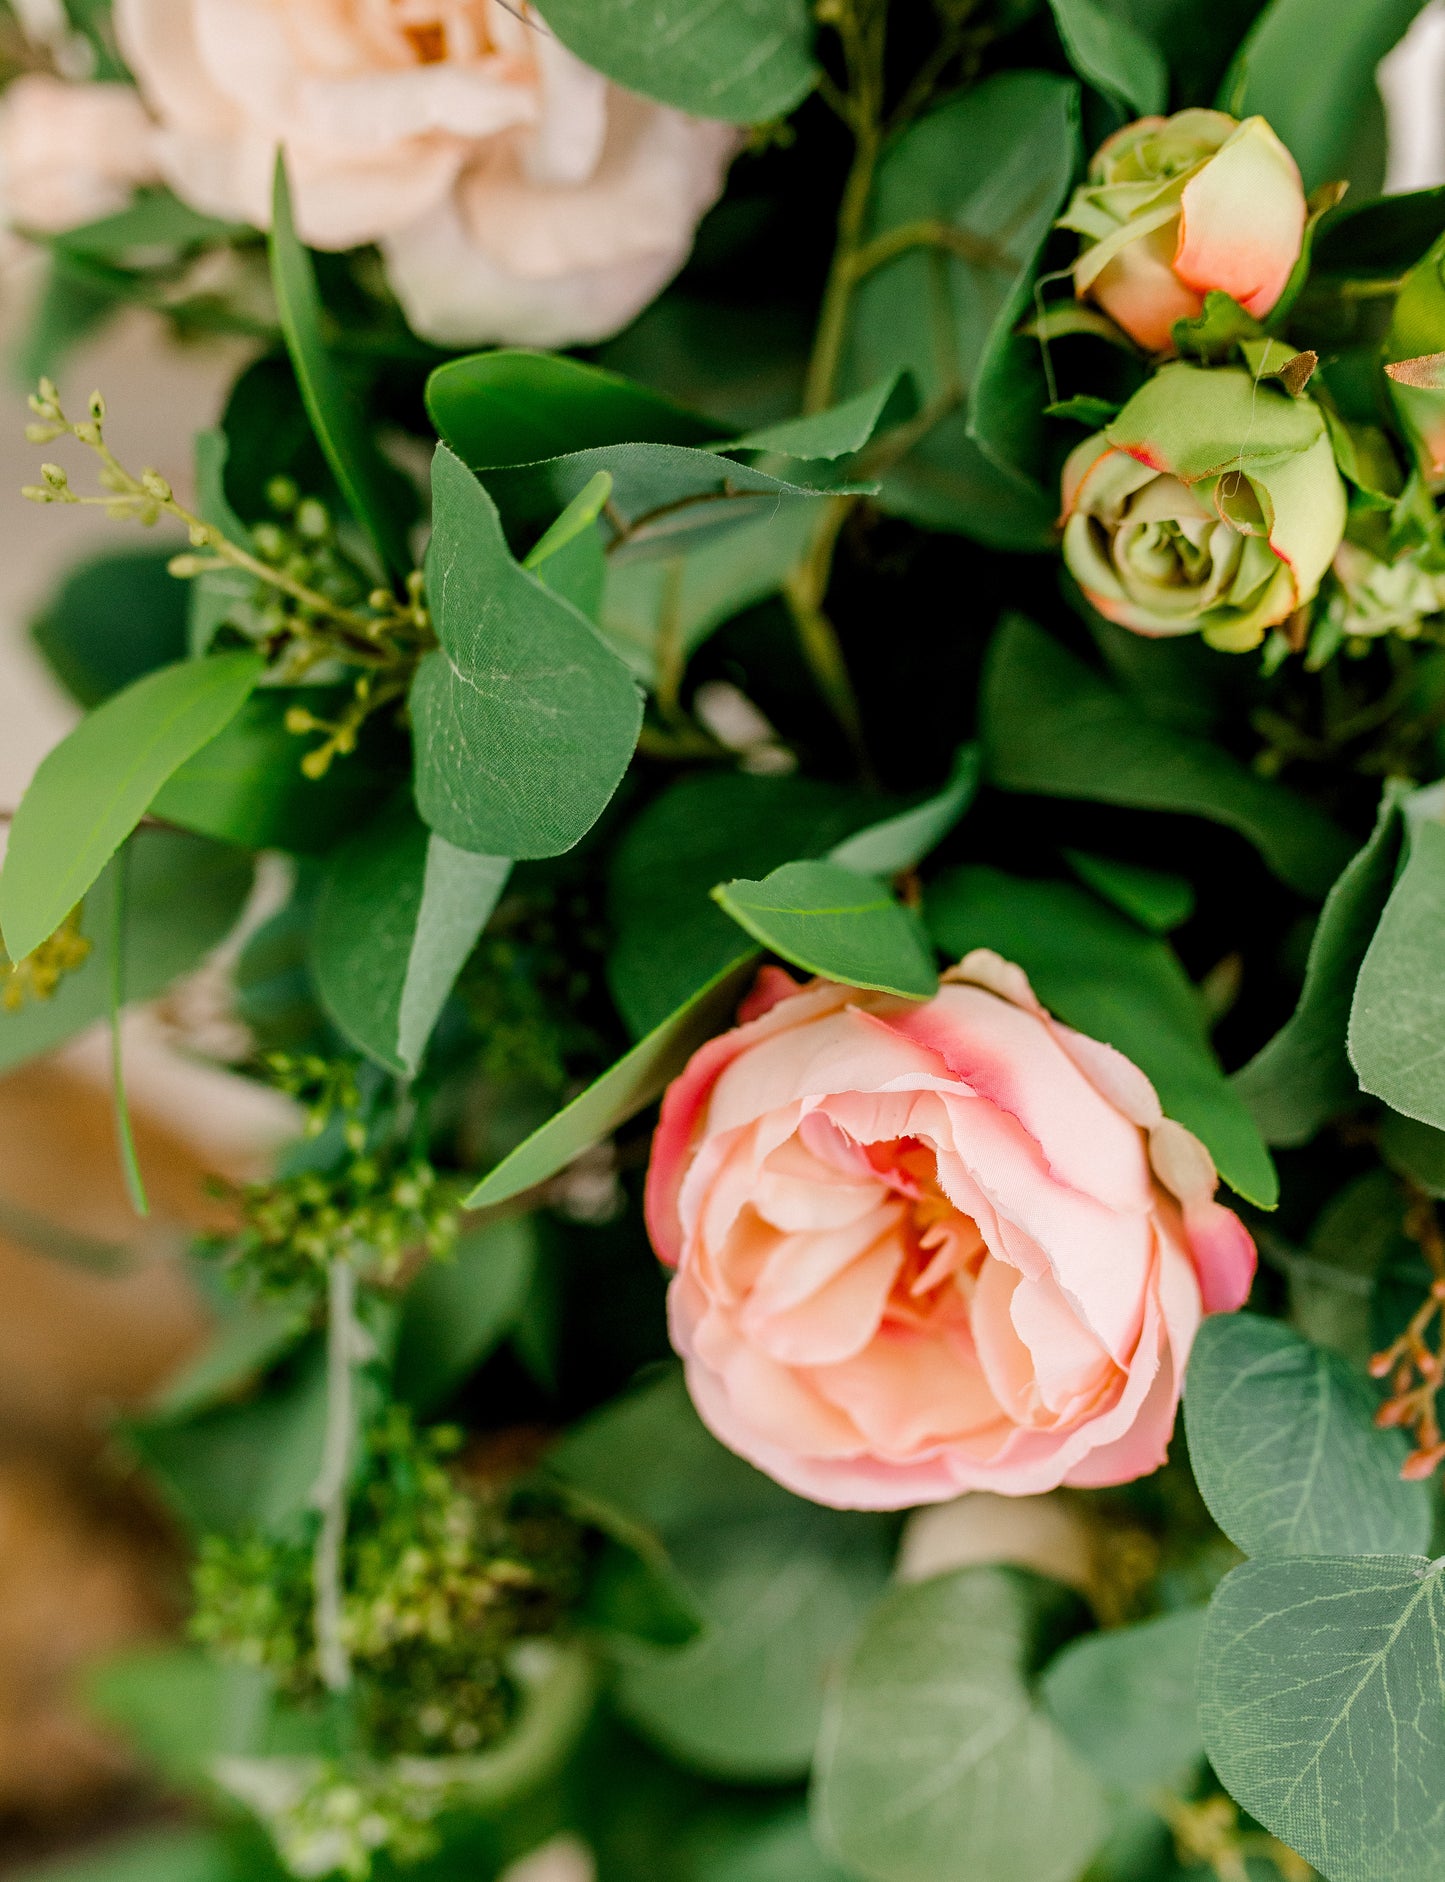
[
  {"x": 1175, "y": 207},
  {"x": 517, "y": 196},
  {"x": 70, "y": 153},
  {"x": 923, "y": 1249}
]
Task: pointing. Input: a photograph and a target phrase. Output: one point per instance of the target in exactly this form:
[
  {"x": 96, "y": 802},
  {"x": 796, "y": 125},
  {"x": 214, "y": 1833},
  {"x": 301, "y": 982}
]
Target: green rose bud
[
  {"x": 1175, "y": 207},
  {"x": 1373, "y": 596},
  {"x": 1210, "y": 505}
]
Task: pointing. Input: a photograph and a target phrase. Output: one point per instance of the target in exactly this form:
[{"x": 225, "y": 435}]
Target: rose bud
[
  {"x": 1374, "y": 596},
  {"x": 923, "y": 1249},
  {"x": 1210, "y": 505},
  {"x": 1175, "y": 207}
]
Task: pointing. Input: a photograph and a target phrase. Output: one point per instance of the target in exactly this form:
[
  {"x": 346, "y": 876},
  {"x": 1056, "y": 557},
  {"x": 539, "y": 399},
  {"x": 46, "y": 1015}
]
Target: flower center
[{"x": 437, "y": 31}]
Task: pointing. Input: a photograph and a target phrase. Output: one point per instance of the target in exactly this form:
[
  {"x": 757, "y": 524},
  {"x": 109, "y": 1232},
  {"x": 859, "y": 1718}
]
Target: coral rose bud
[
  {"x": 923, "y": 1249},
  {"x": 1211, "y": 505},
  {"x": 1175, "y": 207}
]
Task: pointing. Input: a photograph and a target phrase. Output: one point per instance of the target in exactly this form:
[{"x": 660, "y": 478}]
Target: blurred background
[{"x": 95, "y": 1310}]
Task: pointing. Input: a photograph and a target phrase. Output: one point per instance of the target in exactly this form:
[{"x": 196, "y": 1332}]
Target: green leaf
[
  {"x": 994, "y": 165},
  {"x": 1415, "y": 1150},
  {"x": 838, "y": 431},
  {"x": 779, "y": 1583},
  {"x": 1157, "y": 901},
  {"x": 1124, "y": 1699},
  {"x": 935, "y": 1765},
  {"x": 399, "y": 911},
  {"x": 1338, "y": 43},
  {"x": 901, "y": 842},
  {"x": 157, "y": 1856},
  {"x": 342, "y": 430},
  {"x": 248, "y": 1338},
  {"x": 669, "y": 936},
  {"x": 460, "y": 1309},
  {"x": 112, "y": 619},
  {"x": 1051, "y": 724},
  {"x": 1397, "y": 1022},
  {"x": 1382, "y": 235},
  {"x": 780, "y": 1592},
  {"x": 246, "y": 785},
  {"x": 183, "y": 896},
  {"x": 832, "y": 921},
  {"x": 1302, "y": 1078},
  {"x": 1102, "y": 975},
  {"x": 1112, "y": 56},
  {"x": 621, "y": 1092},
  {"x": 744, "y": 62},
  {"x": 92, "y": 790},
  {"x": 524, "y": 720},
  {"x": 1285, "y": 1450},
  {"x": 1321, "y": 1701},
  {"x": 153, "y": 219}
]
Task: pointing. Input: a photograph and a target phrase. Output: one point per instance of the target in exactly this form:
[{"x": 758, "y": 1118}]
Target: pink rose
[
  {"x": 70, "y": 153},
  {"x": 517, "y": 196},
  {"x": 921, "y": 1249},
  {"x": 1174, "y": 207}
]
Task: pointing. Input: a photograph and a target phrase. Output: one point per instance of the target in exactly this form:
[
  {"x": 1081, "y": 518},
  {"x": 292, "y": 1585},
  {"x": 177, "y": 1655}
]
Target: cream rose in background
[
  {"x": 517, "y": 196},
  {"x": 922, "y": 1249},
  {"x": 70, "y": 153}
]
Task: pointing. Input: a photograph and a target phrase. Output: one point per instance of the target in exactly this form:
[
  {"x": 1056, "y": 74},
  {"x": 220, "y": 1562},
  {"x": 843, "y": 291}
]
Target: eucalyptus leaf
[
  {"x": 92, "y": 790},
  {"x": 621, "y": 1092},
  {"x": 935, "y": 1764},
  {"x": 743, "y": 62},
  {"x": 399, "y": 911},
  {"x": 832, "y": 921},
  {"x": 366, "y": 480},
  {"x": 1285, "y": 1450},
  {"x": 1052, "y": 725},
  {"x": 1397, "y": 1021},
  {"x": 1124, "y": 1698},
  {"x": 1302, "y": 1078},
  {"x": 1322, "y": 1707},
  {"x": 524, "y": 720},
  {"x": 1102, "y": 974}
]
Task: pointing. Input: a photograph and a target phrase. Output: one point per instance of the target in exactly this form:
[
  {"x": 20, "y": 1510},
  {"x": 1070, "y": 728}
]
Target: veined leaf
[
  {"x": 1321, "y": 1701},
  {"x": 93, "y": 789},
  {"x": 1284, "y": 1447},
  {"x": 841, "y": 429},
  {"x": 935, "y": 1765},
  {"x": 832, "y": 921},
  {"x": 1124, "y": 1698},
  {"x": 524, "y": 719},
  {"x": 1397, "y": 1021}
]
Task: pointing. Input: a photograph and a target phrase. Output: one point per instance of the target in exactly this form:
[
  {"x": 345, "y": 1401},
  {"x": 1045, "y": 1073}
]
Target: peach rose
[
  {"x": 921, "y": 1249},
  {"x": 517, "y": 196},
  {"x": 1174, "y": 207},
  {"x": 70, "y": 153}
]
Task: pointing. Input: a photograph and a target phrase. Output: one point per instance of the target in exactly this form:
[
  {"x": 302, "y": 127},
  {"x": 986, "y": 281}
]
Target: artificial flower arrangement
[{"x": 830, "y": 626}]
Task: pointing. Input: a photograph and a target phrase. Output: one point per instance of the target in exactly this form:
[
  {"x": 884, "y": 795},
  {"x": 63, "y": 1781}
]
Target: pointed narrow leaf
[
  {"x": 840, "y": 430},
  {"x": 1303, "y": 1077},
  {"x": 832, "y": 921},
  {"x": 901, "y": 842},
  {"x": 97, "y": 784},
  {"x": 1113, "y": 56},
  {"x": 398, "y": 913},
  {"x": 1053, "y": 725},
  {"x": 1285, "y": 1450},
  {"x": 524, "y": 719},
  {"x": 1397, "y": 1022},
  {"x": 1323, "y": 1709},
  {"x": 366, "y": 480},
  {"x": 620, "y": 1093}
]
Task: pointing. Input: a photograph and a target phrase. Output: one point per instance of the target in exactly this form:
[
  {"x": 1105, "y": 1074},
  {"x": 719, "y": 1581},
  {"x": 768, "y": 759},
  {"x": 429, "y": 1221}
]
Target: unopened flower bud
[{"x": 155, "y": 485}]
